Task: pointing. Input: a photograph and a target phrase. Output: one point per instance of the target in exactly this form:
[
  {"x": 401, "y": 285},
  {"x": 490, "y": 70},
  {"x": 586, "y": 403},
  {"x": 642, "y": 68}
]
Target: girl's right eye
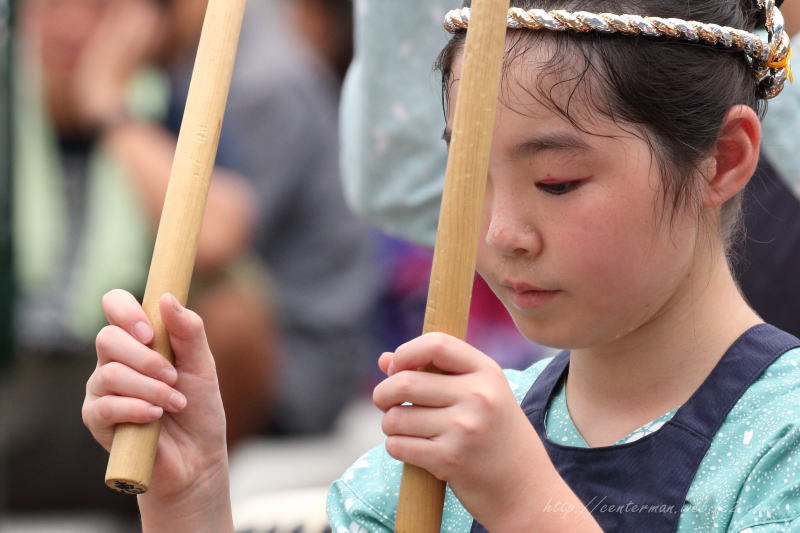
[{"x": 559, "y": 187}]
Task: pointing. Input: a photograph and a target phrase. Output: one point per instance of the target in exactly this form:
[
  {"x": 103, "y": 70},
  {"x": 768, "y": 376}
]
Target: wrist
[
  {"x": 540, "y": 500},
  {"x": 546, "y": 515},
  {"x": 111, "y": 121},
  {"x": 202, "y": 507},
  {"x": 117, "y": 117},
  {"x": 100, "y": 104}
]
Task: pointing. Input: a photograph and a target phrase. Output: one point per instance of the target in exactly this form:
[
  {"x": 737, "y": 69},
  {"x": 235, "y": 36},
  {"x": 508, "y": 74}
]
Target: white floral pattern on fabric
[{"x": 354, "y": 528}]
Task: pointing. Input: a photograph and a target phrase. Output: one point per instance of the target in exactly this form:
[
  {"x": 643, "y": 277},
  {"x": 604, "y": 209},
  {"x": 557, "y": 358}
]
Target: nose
[{"x": 510, "y": 229}]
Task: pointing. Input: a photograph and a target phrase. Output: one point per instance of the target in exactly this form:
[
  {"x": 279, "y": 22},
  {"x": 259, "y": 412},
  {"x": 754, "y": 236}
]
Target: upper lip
[{"x": 518, "y": 286}]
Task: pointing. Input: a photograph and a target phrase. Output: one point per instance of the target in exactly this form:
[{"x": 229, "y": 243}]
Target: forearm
[
  {"x": 228, "y": 223},
  {"x": 542, "y": 502},
  {"x": 553, "y": 508},
  {"x": 147, "y": 151}
]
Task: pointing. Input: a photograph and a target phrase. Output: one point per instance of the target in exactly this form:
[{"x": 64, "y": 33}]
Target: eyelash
[{"x": 560, "y": 188}]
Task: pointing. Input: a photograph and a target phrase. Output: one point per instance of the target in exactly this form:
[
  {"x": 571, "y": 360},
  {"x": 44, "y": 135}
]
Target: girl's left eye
[{"x": 557, "y": 188}]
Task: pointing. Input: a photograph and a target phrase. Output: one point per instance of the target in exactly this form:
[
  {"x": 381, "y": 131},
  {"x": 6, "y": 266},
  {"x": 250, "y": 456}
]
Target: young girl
[{"x": 615, "y": 180}]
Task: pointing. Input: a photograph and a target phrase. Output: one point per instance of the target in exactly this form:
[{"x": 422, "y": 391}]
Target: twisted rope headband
[{"x": 768, "y": 59}]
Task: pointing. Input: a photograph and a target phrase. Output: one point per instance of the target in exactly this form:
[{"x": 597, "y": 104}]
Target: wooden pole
[
  {"x": 130, "y": 465},
  {"x": 421, "y": 498}
]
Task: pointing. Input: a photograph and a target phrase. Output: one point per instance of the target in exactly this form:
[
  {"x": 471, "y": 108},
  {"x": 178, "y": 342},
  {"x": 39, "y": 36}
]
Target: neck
[{"x": 658, "y": 366}]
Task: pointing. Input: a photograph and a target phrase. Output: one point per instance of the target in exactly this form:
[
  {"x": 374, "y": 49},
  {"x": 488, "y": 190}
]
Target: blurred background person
[
  {"x": 92, "y": 160},
  {"x": 327, "y": 27},
  {"x": 284, "y": 276},
  {"x": 281, "y": 133},
  {"x": 282, "y": 124}
]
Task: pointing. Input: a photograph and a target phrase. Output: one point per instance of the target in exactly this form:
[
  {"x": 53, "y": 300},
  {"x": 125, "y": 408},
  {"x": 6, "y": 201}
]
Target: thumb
[{"x": 187, "y": 336}]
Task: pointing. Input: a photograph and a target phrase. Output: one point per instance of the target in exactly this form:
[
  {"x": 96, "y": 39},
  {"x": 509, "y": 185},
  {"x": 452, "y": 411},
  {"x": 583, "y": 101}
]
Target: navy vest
[{"x": 642, "y": 485}]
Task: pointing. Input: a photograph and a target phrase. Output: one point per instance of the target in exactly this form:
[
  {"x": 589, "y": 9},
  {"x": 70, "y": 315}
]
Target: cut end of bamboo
[
  {"x": 133, "y": 452},
  {"x": 126, "y": 486}
]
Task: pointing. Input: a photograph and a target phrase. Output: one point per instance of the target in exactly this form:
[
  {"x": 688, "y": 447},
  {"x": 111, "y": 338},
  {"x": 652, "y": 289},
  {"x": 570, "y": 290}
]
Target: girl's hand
[
  {"x": 133, "y": 383},
  {"x": 465, "y": 427}
]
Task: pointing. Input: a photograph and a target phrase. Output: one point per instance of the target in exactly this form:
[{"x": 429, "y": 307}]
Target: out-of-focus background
[{"x": 298, "y": 294}]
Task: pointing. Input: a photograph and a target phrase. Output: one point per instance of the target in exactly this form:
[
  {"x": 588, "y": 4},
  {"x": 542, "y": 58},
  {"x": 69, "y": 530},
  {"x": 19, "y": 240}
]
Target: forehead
[
  {"x": 549, "y": 83},
  {"x": 550, "y": 101},
  {"x": 540, "y": 78}
]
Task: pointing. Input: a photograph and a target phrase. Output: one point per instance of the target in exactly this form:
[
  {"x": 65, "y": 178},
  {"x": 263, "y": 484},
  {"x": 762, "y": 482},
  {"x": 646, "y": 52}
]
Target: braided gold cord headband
[{"x": 769, "y": 59}]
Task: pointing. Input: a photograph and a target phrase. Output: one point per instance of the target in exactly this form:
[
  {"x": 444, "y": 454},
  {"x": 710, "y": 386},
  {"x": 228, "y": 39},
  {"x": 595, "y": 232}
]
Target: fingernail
[
  {"x": 390, "y": 370},
  {"x": 168, "y": 375},
  {"x": 155, "y": 412},
  {"x": 177, "y": 401},
  {"x": 143, "y": 331}
]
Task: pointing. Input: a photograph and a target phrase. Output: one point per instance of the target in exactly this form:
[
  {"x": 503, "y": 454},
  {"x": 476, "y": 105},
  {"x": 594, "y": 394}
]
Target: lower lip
[{"x": 532, "y": 299}]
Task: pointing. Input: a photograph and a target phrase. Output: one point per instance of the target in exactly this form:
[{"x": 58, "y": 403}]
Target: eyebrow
[
  {"x": 542, "y": 143},
  {"x": 548, "y": 142}
]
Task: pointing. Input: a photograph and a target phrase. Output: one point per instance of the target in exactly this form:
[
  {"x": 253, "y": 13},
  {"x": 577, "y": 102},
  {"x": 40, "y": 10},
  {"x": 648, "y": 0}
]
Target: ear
[{"x": 735, "y": 156}]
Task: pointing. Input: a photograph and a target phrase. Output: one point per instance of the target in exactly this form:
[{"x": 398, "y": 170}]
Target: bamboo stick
[
  {"x": 422, "y": 495},
  {"x": 133, "y": 451}
]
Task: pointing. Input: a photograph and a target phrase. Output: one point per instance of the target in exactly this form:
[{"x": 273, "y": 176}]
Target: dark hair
[{"x": 674, "y": 93}]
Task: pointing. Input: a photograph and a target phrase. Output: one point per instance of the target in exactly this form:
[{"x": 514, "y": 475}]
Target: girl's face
[{"x": 572, "y": 242}]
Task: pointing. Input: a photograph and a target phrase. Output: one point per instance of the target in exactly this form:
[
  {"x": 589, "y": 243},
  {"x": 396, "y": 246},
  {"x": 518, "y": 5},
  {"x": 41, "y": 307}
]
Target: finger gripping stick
[{"x": 130, "y": 465}]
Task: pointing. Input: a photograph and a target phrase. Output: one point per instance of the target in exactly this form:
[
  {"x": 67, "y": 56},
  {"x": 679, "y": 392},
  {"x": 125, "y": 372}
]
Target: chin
[
  {"x": 547, "y": 334},
  {"x": 560, "y": 334}
]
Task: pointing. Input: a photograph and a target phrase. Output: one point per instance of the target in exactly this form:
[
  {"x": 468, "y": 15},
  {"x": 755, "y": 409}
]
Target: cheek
[{"x": 614, "y": 251}]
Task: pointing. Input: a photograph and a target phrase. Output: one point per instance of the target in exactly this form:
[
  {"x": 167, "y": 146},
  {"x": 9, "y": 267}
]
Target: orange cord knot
[{"x": 784, "y": 63}]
